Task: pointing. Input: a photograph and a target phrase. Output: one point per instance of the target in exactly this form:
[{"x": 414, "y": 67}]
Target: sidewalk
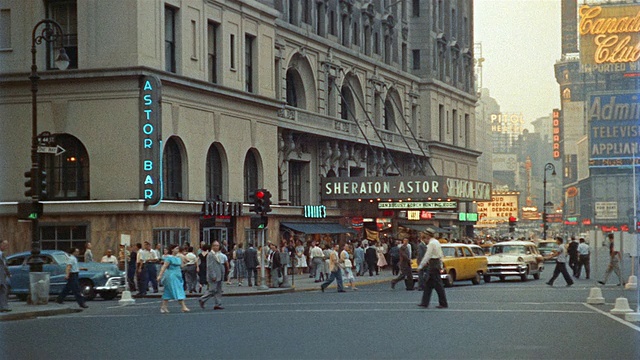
[{"x": 21, "y": 311}]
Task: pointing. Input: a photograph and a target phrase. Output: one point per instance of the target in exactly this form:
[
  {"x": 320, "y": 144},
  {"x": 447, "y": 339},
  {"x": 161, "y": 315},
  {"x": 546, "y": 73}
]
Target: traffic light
[
  {"x": 512, "y": 223},
  {"x": 30, "y": 184},
  {"x": 257, "y": 201},
  {"x": 42, "y": 184},
  {"x": 259, "y": 222},
  {"x": 267, "y": 202}
]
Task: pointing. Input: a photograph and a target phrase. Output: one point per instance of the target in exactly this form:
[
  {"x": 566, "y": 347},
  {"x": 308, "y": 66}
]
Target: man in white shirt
[
  {"x": 432, "y": 261},
  {"x": 317, "y": 261},
  {"x": 562, "y": 258},
  {"x": 583, "y": 258},
  {"x": 108, "y": 258}
]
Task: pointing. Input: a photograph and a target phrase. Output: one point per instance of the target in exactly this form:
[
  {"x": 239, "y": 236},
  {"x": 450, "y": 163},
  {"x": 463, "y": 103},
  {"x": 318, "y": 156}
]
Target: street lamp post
[
  {"x": 50, "y": 33},
  {"x": 547, "y": 167}
]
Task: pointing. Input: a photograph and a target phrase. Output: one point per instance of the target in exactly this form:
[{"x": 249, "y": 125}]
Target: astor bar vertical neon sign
[{"x": 150, "y": 140}]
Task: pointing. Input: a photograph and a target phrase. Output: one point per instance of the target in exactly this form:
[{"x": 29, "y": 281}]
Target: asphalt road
[{"x": 499, "y": 320}]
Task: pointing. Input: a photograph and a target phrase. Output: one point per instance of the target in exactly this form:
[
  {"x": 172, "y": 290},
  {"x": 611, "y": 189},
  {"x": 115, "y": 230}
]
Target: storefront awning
[
  {"x": 418, "y": 227},
  {"x": 318, "y": 228}
]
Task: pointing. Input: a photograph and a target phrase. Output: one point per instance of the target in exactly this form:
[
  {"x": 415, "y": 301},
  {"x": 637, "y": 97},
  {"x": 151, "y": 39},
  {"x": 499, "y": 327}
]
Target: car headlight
[
  {"x": 520, "y": 259},
  {"x": 107, "y": 275}
]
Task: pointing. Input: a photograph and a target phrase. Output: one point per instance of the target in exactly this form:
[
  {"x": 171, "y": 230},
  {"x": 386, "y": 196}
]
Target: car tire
[
  {"x": 109, "y": 295},
  {"x": 502, "y": 277},
  {"x": 524, "y": 277},
  {"x": 451, "y": 277},
  {"x": 476, "y": 279},
  {"x": 536, "y": 276},
  {"x": 487, "y": 278},
  {"x": 86, "y": 289}
]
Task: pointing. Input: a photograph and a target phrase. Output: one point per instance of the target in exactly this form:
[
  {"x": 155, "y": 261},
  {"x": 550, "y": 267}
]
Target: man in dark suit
[
  {"x": 371, "y": 258},
  {"x": 251, "y": 263},
  {"x": 422, "y": 249}
]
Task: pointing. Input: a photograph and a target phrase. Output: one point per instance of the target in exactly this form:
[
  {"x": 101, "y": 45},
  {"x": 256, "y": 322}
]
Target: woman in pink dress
[{"x": 382, "y": 262}]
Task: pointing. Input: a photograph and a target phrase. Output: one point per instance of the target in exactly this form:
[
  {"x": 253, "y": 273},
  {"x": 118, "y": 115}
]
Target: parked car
[
  {"x": 514, "y": 258},
  {"x": 459, "y": 263},
  {"x": 105, "y": 280},
  {"x": 546, "y": 247}
]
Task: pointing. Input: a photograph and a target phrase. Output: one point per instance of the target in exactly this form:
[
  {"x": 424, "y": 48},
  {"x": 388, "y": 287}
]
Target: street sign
[{"x": 57, "y": 150}]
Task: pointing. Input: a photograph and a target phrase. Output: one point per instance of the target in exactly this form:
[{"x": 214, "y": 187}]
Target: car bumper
[
  {"x": 505, "y": 270},
  {"x": 112, "y": 284}
]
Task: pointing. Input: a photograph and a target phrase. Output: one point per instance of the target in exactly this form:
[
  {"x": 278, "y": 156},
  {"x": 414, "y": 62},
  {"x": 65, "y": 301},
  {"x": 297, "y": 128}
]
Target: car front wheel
[
  {"x": 87, "y": 290},
  {"x": 451, "y": 277},
  {"x": 525, "y": 276},
  {"x": 487, "y": 278}
]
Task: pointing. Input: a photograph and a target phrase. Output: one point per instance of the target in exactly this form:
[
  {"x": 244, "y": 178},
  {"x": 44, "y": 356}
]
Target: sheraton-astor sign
[{"x": 400, "y": 187}]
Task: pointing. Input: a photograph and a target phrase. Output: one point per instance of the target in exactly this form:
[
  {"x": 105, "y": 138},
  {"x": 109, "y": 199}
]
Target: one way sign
[{"x": 57, "y": 150}]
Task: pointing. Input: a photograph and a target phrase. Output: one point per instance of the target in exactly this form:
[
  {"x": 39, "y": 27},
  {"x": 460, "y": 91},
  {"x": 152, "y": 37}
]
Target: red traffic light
[
  {"x": 260, "y": 194},
  {"x": 512, "y": 219}
]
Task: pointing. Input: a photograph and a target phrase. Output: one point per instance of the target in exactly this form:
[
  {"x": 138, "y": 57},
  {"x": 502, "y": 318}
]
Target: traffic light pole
[{"x": 263, "y": 278}]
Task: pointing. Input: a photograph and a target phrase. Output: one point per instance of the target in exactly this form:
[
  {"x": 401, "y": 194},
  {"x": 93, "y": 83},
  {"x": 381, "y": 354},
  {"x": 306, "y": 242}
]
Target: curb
[{"x": 35, "y": 314}]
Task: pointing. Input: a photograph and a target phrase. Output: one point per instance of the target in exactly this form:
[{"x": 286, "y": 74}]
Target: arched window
[
  {"x": 67, "y": 173},
  {"x": 250, "y": 174},
  {"x": 389, "y": 120},
  {"x": 172, "y": 169},
  {"x": 214, "y": 174},
  {"x": 347, "y": 107},
  {"x": 292, "y": 98}
]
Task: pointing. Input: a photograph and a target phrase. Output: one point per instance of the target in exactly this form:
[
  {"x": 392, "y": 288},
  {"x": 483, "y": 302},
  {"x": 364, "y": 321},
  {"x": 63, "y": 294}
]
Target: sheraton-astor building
[{"x": 353, "y": 114}]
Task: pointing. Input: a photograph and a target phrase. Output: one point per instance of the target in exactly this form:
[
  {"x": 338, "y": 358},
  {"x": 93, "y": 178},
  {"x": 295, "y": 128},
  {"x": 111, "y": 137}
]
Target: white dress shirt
[{"x": 434, "y": 251}]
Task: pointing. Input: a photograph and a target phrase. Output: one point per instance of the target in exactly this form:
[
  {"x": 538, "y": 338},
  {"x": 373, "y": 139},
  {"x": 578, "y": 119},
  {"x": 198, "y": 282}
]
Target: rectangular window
[
  {"x": 170, "y": 39},
  {"x": 416, "y": 59},
  {"x": 467, "y": 131},
  {"x": 5, "y": 29},
  {"x": 356, "y": 34},
  {"x": 404, "y": 57},
  {"x": 306, "y": 11},
  {"x": 414, "y": 119},
  {"x": 248, "y": 59},
  {"x": 212, "y": 51},
  {"x": 64, "y": 237},
  {"x": 441, "y": 122},
  {"x": 65, "y": 13},
  {"x": 415, "y": 8},
  {"x": 168, "y": 236},
  {"x": 454, "y": 120},
  {"x": 232, "y": 51},
  {"x": 376, "y": 44},
  {"x": 320, "y": 19},
  {"x": 333, "y": 26},
  {"x": 345, "y": 30},
  {"x": 194, "y": 40},
  {"x": 295, "y": 182}
]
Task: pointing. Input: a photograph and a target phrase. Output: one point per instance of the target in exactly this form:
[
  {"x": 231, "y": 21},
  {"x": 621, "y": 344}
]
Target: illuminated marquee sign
[
  {"x": 614, "y": 132},
  {"x": 452, "y": 205},
  {"x": 403, "y": 187},
  {"x": 610, "y": 36},
  {"x": 150, "y": 140},
  {"x": 507, "y": 123},
  {"x": 501, "y": 207},
  {"x": 557, "y": 134},
  {"x": 315, "y": 211}
]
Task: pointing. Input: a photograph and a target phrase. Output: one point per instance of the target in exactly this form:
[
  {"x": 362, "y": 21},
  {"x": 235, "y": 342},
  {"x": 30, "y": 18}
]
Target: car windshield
[
  {"x": 61, "y": 258},
  {"x": 509, "y": 249},
  {"x": 547, "y": 246}
]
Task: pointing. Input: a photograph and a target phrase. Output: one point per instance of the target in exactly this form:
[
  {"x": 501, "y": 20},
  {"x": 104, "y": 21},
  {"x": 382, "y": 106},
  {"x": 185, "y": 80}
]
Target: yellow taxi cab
[{"x": 459, "y": 263}]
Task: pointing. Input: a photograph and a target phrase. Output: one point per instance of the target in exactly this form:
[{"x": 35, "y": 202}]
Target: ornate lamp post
[
  {"x": 50, "y": 33},
  {"x": 547, "y": 167}
]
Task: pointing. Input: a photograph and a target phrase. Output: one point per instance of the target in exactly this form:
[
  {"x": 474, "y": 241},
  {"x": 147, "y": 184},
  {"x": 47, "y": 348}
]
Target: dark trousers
[
  {"x": 131, "y": 278},
  {"x": 583, "y": 260},
  {"x": 74, "y": 287},
  {"x": 573, "y": 264},
  {"x": 372, "y": 266},
  {"x": 561, "y": 268},
  {"x": 252, "y": 273},
  {"x": 335, "y": 275},
  {"x": 434, "y": 282},
  {"x": 152, "y": 276},
  {"x": 395, "y": 269}
]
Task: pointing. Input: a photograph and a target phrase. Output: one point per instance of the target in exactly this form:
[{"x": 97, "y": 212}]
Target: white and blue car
[{"x": 105, "y": 280}]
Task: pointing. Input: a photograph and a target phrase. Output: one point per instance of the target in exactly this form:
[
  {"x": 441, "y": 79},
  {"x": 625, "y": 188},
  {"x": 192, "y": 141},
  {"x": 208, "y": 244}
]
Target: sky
[{"x": 520, "y": 44}]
